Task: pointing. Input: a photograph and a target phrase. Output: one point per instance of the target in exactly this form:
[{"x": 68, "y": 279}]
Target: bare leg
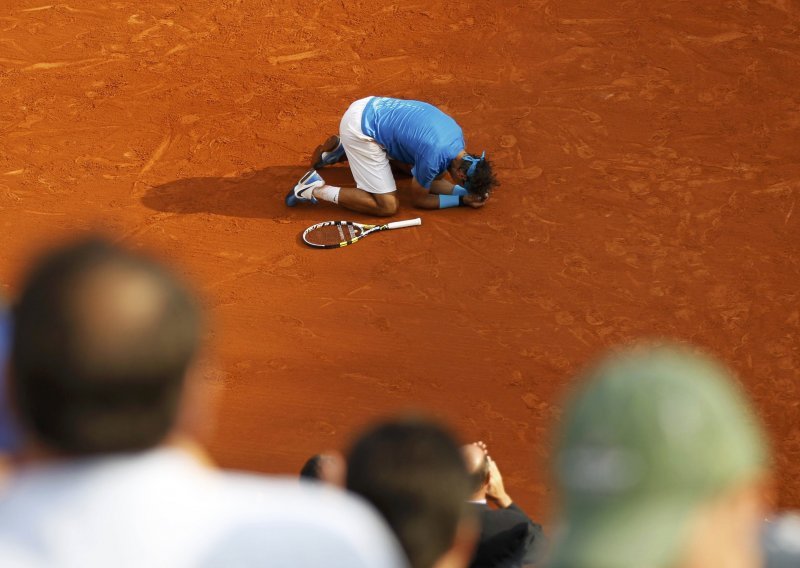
[{"x": 378, "y": 204}]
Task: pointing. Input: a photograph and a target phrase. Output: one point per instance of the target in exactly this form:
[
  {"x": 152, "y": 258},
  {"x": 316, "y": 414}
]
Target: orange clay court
[{"x": 648, "y": 155}]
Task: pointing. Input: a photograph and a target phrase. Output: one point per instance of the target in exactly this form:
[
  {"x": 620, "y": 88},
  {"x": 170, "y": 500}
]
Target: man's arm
[
  {"x": 496, "y": 493},
  {"x": 441, "y": 186},
  {"x": 422, "y": 198},
  {"x": 535, "y": 541},
  {"x": 425, "y": 199}
]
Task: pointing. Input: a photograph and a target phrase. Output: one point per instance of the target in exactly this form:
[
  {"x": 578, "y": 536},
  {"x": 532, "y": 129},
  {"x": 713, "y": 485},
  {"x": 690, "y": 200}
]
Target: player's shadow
[
  {"x": 258, "y": 193},
  {"x": 254, "y": 194}
]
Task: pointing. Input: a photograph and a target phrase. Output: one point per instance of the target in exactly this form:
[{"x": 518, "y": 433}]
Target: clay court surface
[{"x": 648, "y": 153}]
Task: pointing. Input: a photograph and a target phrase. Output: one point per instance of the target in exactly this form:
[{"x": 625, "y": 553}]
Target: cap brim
[{"x": 645, "y": 533}]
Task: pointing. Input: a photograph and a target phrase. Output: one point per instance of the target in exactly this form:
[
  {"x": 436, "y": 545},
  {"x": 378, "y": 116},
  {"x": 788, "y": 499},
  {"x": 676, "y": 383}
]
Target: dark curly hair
[{"x": 483, "y": 180}]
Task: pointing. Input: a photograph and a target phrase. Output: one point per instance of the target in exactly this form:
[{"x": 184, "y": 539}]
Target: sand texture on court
[{"x": 648, "y": 153}]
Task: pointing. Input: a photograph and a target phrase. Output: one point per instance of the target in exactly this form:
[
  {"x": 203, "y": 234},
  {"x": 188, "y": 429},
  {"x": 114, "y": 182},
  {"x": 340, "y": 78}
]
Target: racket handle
[{"x": 407, "y": 223}]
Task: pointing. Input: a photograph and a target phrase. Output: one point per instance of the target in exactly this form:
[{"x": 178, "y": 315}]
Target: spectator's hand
[{"x": 496, "y": 491}]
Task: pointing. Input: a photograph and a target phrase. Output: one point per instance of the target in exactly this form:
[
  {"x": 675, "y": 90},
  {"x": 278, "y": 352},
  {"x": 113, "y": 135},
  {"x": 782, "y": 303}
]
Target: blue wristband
[
  {"x": 446, "y": 201},
  {"x": 458, "y": 190}
]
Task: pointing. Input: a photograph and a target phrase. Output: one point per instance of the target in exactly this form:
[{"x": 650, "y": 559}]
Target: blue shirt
[{"x": 415, "y": 133}]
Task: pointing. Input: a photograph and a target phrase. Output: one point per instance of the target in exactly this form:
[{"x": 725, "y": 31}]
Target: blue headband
[{"x": 473, "y": 165}]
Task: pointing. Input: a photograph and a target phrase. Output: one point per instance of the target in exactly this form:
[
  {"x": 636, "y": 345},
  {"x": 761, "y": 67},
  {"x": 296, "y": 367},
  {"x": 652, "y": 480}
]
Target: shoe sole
[
  {"x": 305, "y": 177},
  {"x": 332, "y": 145},
  {"x": 333, "y": 157},
  {"x": 291, "y": 199}
]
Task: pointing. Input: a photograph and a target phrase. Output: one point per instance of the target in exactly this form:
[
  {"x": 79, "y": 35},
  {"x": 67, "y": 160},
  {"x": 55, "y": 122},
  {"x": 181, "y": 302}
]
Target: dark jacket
[{"x": 509, "y": 538}]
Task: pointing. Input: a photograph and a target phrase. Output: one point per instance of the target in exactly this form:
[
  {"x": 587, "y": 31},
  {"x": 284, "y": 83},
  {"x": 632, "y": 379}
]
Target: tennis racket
[{"x": 337, "y": 234}]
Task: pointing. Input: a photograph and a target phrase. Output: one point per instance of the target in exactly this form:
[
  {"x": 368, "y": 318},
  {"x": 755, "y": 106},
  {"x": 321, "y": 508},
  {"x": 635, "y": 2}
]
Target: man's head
[
  {"x": 412, "y": 471},
  {"x": 102, "y": 341},
  {"x": 477, "y": 463},
  {"x": 475, "y": 173},
  {"x": 658, "y": 463}
]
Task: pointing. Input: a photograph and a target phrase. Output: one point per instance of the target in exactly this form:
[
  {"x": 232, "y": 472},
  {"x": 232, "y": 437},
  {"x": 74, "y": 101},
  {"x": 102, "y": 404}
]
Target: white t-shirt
[{"x": 163, "y": 509}]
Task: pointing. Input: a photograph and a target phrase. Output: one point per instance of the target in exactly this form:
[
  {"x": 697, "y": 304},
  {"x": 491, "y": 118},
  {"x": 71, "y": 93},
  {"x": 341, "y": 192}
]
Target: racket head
[{"x": 334, "y": 234}]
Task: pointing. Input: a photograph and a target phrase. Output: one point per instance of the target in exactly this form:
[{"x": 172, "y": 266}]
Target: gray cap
[{"x": 655, "y": 432}]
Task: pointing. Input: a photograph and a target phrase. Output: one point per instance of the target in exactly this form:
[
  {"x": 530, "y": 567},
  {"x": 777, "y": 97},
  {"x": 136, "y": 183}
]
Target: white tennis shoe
[
  {"x": 304, "y": 190},
  {"x": 329, "y": 157}
]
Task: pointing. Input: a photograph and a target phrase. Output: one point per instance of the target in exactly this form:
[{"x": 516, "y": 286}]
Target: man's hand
[
  {"x": 474, "y": 201},
  {"x": 496, "y": 491}
]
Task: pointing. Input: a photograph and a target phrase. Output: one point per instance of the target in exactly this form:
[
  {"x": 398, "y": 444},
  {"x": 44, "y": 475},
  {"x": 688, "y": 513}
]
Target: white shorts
[{"x": 369, "y": 162}]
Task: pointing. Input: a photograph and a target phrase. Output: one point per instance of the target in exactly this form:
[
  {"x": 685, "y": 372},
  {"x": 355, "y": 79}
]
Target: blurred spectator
[
  {"x": 329, "y": 468},
  {"x": 662, "y": 464},
  {"x": 412, "y": 471},
  {"x": 781, "y": 538},
  {"x": 9, "y": 435},
  {"x": 509, "y": 538},
  {"x": 104, "y": 341}
]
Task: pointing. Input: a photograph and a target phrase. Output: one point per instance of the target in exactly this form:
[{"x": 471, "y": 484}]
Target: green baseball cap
[{"x": 653, "y": 433}]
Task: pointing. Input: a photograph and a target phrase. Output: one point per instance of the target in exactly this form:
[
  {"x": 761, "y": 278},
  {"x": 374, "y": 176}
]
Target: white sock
[{"x": 328, "y": 193}]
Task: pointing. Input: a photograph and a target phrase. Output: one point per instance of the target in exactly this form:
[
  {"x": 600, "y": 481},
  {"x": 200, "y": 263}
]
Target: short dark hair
[
  {"x": 412, "y": 471},
  {"x": 311, "y": 468},
  {"x": 482, "y": 181},
  {"x": 102, "y": 340}
]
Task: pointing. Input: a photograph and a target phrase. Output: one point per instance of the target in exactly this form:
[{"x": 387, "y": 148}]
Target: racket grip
[{"x": 406, "y": 223}]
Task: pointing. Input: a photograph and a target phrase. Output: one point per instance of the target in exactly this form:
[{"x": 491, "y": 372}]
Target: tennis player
[{"x": 418, "y": 135}]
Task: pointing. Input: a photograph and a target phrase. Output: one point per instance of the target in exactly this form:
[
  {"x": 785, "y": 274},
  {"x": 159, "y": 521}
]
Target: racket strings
[{"x": 333, "y": 234}]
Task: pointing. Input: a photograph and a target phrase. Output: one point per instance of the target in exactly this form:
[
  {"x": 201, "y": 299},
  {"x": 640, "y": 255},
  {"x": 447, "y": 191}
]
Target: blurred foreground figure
[
  {"x": 329, "y": 467},
  {"x": 661, "y": 464},
  {"x": 104, "y": 342},
  {"x": 9, "y": 436},
  {"x": 412, "y": 471},
  {"x": 781, "y": 537}
]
